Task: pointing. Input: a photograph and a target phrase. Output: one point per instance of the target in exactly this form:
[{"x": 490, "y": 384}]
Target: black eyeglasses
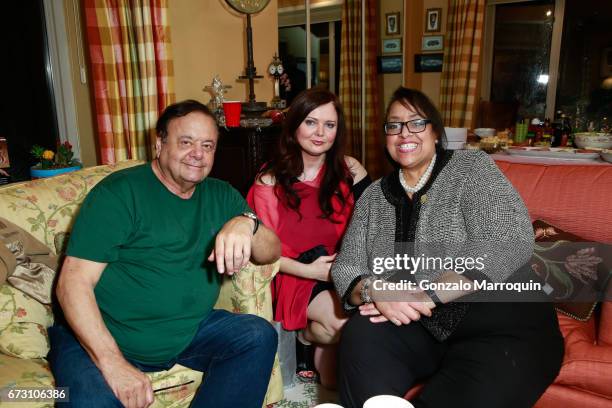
[{"x": 413, "y": 126}]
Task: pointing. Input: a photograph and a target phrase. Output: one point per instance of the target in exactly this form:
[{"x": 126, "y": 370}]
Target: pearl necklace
[{"x": 421, "y": 181}]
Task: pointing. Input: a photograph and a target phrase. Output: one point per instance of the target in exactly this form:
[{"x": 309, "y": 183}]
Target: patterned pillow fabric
[
  {"x": 575, "y": 272},
  {"x": 23, "y": 324},
  {"x": 46, "y": 207},
  {"x": 25, "y": 373}
]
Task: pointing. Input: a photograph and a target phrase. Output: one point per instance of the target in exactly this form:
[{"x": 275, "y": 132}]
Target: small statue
[{"x": 218, "y": 91}]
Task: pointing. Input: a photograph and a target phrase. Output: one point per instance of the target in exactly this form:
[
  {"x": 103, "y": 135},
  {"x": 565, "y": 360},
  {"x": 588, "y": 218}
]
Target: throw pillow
[
  {"x": 575, "y": 272},
  {"x": 30, "y": 264},
  {"x": 23, "y": 323}
]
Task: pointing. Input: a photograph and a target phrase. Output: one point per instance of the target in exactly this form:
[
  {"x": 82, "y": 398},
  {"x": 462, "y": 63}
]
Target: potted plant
[{"x": 51, "y": 163}]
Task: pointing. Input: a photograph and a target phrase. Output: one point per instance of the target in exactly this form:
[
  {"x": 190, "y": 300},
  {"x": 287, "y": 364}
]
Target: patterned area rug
[{"x": 306, "y": 395}]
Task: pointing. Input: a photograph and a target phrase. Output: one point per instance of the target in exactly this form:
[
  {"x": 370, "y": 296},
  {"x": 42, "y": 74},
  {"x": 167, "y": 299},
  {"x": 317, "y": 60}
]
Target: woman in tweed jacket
[{"x": 452, "y": 205}]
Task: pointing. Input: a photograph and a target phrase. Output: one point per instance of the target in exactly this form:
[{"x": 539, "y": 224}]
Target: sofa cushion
[
  {"x": 575, "y": 271},
  {"x": 21, "y": 373},
  {"x": 573, "y": 197},
  {"x": 23, "y": 323},
  {"x": 586, "y": 364},
  {"x": 605, "y": 321},
  {"x": 569, "y": 397},
  {"x": 46, "y": 207}
]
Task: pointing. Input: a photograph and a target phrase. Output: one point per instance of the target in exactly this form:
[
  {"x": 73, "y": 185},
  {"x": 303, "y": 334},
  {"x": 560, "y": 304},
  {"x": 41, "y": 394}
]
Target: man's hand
[
  {"x": 319, "y": 269},
  {"x": 130, "y": 385},
  {"x": 233, "y": 245}
]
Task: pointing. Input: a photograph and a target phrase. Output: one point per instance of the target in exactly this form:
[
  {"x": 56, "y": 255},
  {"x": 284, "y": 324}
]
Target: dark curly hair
[{"x": 288, "y": 164}]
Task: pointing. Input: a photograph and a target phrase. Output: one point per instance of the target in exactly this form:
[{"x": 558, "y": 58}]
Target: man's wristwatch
[{"x": 254, "y": 218}]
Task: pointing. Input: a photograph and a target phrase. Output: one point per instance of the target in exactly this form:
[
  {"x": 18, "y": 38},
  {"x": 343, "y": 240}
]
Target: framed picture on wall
[
  {"x": 428, "y": 62},
  {"x": 433, "y": 18},
  {"x": 432, "y": 43},
  {"x": 392, "y": 45},
  {"x": 390, "y": 65},
  {"x": 392, "y": 23}
]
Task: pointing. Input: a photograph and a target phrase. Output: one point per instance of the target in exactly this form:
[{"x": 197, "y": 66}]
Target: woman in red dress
[{"x": 306, "y": 195}]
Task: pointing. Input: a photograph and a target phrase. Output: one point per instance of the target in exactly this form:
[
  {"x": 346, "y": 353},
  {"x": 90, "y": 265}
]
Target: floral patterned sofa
[{"x": 46, "y": 208}]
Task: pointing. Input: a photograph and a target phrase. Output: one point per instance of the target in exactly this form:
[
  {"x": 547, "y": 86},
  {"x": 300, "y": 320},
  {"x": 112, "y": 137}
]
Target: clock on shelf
[{"x": 276, "y": 69}]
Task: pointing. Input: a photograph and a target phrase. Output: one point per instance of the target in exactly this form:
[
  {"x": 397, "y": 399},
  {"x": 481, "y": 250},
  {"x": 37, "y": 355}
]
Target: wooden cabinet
[{"x": 241, "y": 152}]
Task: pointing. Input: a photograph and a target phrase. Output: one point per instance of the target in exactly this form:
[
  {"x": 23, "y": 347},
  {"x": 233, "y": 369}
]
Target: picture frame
[
  {"x": 392, "y": 23},
  {"x": 390, "y": 64},
  {"x": 428, "y": 62},
  {"x": 392, "y": 46},
  {"x": 432, "y": 43},
  {"x": 433, "y": 18}
]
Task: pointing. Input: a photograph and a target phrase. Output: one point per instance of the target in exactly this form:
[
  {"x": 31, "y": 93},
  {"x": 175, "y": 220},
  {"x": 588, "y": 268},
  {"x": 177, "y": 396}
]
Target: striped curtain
[
  {"x": 351, "y": 83},
  {"x": 131, "y": 62},
  {"x": 460, "y": 72}
]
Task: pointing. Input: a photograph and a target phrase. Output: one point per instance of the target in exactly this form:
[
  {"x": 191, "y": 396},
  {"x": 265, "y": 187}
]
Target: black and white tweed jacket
[{"x": 467, "y": 205}]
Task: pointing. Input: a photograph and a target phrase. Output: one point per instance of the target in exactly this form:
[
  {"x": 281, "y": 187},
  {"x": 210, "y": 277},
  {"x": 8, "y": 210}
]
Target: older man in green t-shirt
[{"x": 142, "y": 275}]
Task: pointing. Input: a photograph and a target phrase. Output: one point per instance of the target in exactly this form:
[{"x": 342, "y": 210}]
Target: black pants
[{"x": 501, "y": 355}]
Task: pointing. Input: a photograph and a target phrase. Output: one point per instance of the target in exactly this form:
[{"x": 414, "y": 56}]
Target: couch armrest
[
  {"x": 249, "y": 291},
  {"x": 575, "y": 330},
  {"x": 587, "y": 365}
]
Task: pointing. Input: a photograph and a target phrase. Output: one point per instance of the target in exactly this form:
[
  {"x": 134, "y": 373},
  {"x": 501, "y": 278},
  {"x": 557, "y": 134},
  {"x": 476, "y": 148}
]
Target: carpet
[{"x": 306, "y": 395}]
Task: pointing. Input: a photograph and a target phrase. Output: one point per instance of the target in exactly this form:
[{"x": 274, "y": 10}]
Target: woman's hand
[
  {"x": 397, "y": 313},
  {"x": 320, "y": 268}
]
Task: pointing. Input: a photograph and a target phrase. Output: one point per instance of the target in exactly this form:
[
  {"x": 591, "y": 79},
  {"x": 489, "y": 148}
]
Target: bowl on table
[
  {"x": 485, "y": 132},
  {"x": 598, "y": 140},
  {"x": 490, "y": 144}
]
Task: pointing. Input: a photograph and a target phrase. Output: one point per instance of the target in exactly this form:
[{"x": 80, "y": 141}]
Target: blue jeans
[{"x": 236, "y": 353}]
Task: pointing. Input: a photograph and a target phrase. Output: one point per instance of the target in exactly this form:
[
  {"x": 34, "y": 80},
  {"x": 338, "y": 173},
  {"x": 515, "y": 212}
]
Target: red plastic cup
[{"x": 232, "y": 111}]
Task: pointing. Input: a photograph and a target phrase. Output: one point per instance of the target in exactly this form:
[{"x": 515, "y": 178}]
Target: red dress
[{"x": 290, "y": 293}]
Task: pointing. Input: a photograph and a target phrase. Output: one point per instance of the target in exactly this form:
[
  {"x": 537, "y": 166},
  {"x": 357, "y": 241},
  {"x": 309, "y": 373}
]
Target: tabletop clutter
[{"x": 539, "y": 138}]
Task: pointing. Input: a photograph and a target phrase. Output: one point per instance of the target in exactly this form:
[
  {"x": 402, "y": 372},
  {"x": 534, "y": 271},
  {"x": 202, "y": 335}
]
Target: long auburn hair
[{"x": 288, "y": 164}]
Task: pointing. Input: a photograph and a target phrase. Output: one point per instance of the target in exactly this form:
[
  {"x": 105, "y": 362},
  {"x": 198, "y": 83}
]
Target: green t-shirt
[{"x": 158, "y": 285}]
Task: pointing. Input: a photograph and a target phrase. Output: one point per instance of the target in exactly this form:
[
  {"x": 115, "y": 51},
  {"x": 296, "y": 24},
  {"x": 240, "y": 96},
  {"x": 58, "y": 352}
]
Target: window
[
  {"x": 550, "y": 55},
  {"x": 521, "y": 55},
  {"x": 584, "y": 87}
]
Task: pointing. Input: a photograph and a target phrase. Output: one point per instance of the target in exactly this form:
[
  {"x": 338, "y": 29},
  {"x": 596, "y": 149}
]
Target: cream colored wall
[
  {"x": 209, "y": 38},
  {"x": 430, "y": 81},
  {"x": 389, "y": 82},
  {"x": 82, "y": 94},
  {"x": 298, "y": 3}
]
